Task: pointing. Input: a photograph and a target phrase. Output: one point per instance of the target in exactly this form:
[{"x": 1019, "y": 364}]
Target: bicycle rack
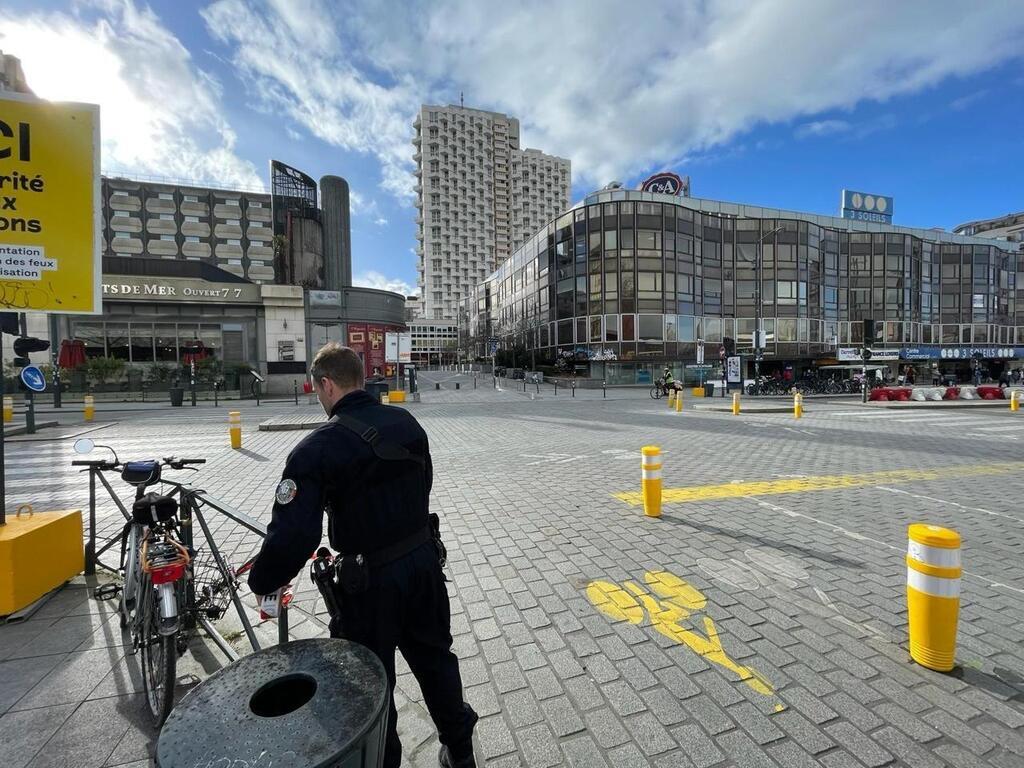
[{"x": 192, "y": 501}]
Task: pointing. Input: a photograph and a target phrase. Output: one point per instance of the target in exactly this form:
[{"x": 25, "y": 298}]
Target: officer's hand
[{"x": 270, "y": 605}]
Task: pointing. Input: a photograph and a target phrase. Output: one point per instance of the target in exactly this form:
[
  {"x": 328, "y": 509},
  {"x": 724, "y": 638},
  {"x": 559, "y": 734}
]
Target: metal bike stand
[{"x": 191, "y": 501}]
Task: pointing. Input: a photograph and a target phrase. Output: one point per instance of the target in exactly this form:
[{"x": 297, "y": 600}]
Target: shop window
[
  {"x": 141, "y": 340},
  {"x": 785, "y": 330},
  {"x": 165, "y": 342},
  {"x": 651, "y": 328},
  {"x": 611, "y": 327},
  {"x": 629, "y": 327},
  {"x": 91, "y": 335},
  {"x": 117, "y": 341}
]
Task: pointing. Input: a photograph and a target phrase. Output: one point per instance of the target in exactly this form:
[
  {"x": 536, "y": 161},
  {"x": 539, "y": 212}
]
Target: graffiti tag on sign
[{"x": 673, "y": 609}]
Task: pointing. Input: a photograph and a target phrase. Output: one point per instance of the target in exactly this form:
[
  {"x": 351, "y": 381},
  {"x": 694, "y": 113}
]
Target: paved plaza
[{"x": 761, "y": 621}]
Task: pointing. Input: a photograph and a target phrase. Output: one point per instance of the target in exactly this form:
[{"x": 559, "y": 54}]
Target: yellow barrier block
[
  {"x": 235, "y": 428},
  {"x": 8, "y": 409},
  {"x": 933, "y": 594},
  {"x": 396, "y": 396},
  {"x": 697, "y": 391},
  {"x": 38, "y": 553}
]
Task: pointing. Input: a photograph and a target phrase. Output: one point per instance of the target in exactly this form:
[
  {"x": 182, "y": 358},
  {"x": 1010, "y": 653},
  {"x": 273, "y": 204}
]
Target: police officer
[{"x": 393, "y": 592}]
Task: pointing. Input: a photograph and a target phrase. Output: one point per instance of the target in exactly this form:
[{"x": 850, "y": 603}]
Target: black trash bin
[
  {"x": 709, "y": 389},
  {"x": 375, "y": 388},
  {"x": 177, "y": 396},
  {"x": 306, "y": 703}
]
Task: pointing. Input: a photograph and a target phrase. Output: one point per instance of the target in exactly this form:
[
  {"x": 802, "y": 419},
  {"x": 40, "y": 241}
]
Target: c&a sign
[{"x": 49, "y": 206}]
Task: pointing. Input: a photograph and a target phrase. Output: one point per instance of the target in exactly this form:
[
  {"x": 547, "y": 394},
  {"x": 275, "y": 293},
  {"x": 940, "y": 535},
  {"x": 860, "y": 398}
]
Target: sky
[{"x": 769, "y": 102}]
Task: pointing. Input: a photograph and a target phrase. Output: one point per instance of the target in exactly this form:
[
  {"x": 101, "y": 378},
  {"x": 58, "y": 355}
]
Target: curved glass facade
[{"x": 636, "y": 276}]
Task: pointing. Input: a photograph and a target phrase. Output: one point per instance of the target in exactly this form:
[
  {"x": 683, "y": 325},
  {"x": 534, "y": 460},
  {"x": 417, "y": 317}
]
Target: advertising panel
[
  {"x": 50, "y": 257},
  {"x": 666, "y": 183},
  {"x": 862, "y": 206}
]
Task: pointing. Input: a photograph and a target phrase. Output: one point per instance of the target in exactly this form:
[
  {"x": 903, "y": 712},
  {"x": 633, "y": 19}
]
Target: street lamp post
[{"x": 758, "y": 309}]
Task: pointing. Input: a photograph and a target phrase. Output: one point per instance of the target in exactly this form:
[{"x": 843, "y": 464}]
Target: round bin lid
[
  {"x": 934, "y": 536},
  {"x": 302, "y": 704}
]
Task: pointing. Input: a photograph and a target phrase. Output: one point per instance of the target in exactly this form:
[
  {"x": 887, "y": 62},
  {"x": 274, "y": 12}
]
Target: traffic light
[
  {"x": 9, "y": 323},
  {"x": 24, "y": 345},
  {"x": 730, "y": 345},
  {"x": 870, "y": 333}
]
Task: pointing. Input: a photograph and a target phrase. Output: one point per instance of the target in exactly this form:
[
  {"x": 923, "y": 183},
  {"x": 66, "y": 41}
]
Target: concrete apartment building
[{"x": 479, "y": 197}]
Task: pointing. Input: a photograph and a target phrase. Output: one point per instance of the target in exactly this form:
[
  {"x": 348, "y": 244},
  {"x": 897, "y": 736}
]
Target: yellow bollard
[
  {"x": 933, "y": 594},
  {"x": 650, "y": 479},
  {"x": 8, "y": 409},
  {"x": 735, "y": 403},
  {"x": 679, "y": 401},
  {"x": 798, "y": 405},
  {"x": 90, "y": 407},
  {"x": 1014, "y": 404},
  {"x": 671, "y": 398},
  {"x": 235, "y": 428}
]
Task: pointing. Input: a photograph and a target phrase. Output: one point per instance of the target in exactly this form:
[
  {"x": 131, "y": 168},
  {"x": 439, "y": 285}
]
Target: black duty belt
[{"x": 397, "y": 550}]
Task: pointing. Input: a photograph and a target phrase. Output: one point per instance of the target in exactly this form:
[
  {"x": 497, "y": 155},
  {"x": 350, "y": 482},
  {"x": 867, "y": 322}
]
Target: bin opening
[{"x": 283, "y": 695}]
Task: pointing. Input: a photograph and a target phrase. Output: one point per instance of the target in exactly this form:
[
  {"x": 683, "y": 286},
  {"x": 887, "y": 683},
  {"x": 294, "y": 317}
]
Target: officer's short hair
[{"x": 339, "y": 364}]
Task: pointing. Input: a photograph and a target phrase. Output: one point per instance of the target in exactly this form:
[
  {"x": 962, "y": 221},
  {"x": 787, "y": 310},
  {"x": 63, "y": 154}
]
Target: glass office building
[{"x": 629, "y": 281}]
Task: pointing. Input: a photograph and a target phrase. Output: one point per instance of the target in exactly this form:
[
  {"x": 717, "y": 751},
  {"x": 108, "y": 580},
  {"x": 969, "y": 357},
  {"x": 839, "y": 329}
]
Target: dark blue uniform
[{"x": 372, "y": 504}]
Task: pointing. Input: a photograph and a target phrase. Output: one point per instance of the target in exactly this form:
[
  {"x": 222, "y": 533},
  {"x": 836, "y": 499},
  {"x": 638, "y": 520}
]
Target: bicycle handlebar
[{"x": 107, "y": 465}]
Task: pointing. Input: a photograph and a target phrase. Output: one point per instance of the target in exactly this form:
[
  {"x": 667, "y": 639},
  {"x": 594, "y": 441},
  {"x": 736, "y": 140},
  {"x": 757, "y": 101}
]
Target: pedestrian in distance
[{"x": 370, "y": 467}]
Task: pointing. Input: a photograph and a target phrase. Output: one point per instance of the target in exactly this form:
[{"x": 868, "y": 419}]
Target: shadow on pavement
[
  {"x": 252, "y": 455},
  {"x": 825, "y": 557}
]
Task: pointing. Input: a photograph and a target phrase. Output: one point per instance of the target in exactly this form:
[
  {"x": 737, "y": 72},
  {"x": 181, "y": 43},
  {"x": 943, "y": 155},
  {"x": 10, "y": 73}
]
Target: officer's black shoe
[{"x": 446, "y": 760}]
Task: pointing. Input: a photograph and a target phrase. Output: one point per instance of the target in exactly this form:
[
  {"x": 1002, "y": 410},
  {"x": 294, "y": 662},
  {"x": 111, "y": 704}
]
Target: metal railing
[{"x": 192, "y": 503}]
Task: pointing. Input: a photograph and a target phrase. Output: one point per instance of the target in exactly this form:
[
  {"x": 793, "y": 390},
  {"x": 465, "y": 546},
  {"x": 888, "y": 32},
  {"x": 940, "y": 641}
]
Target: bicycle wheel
[
  {"x": 159, "y": 659},
  {"x": 656, "y": 392}
]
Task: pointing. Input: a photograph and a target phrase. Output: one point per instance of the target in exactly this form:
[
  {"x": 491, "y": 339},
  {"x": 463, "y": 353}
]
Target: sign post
[{"x": 700, "y": 360}]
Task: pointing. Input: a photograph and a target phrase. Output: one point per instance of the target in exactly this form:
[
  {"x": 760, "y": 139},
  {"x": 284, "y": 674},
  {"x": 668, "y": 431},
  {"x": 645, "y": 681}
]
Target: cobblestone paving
[{"x": 748, "y": 630}]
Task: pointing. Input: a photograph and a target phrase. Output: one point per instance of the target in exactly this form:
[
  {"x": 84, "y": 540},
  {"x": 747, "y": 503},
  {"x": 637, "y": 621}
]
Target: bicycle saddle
[{"x": 141, "y": 472}]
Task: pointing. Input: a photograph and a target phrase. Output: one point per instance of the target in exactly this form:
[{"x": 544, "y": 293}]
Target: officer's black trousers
[{"x": 406, "y": 607}]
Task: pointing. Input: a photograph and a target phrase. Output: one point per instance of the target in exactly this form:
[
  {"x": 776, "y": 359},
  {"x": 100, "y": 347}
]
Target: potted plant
[{"x": 102, "y": 370}]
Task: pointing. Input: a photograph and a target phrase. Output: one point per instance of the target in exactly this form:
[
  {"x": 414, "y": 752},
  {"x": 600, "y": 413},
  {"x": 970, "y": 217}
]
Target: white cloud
[
  {"x": 363, "y": 208},
  {"x": 372, "y": 279},
  {"x": 296, "y": 64},
  {"x": 822, "y": 128},
  {"x": 615, "y": 90},
  {"x": 160, "y": 113}
]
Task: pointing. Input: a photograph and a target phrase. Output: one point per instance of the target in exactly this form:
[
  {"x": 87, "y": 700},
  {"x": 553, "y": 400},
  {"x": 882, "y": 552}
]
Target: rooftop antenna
[{"x": 462, "y": 101}]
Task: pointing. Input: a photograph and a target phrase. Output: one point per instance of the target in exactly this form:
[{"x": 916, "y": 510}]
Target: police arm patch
[{"x": 286, "y": 491}]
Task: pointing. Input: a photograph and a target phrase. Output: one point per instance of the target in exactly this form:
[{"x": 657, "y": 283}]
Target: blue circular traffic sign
[{"x": 33, "y": 378}]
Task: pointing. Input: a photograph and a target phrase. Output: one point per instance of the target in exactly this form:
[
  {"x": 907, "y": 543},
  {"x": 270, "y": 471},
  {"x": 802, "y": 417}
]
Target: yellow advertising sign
[{"x": 49, "y": 206}]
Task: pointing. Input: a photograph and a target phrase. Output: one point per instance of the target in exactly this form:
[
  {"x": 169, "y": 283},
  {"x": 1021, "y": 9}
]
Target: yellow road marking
[
  {"x": 819, "y": 483},
  {"x": 675, "y": 602}
]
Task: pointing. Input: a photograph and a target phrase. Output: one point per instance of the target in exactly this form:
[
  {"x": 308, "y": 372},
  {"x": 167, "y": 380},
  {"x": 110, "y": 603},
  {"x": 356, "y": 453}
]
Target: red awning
[{"x": 72, "y": 353}]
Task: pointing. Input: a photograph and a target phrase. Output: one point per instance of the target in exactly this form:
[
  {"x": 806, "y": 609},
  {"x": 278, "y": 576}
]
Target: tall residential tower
[{"x": 479, "y": 198}]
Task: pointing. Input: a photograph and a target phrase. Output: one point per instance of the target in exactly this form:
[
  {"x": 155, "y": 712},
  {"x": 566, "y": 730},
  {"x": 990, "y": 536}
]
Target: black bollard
[
  {"x": 604, "y": 389},
  {"x": 456, "y": 385},
  {"x": 216, "y": 392},
  {"x": 437, "y": 385},
  {"x": 556, "y": 387},
  {"x": 295, "y": 389},
  {"x": 30, "y": 414}
]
